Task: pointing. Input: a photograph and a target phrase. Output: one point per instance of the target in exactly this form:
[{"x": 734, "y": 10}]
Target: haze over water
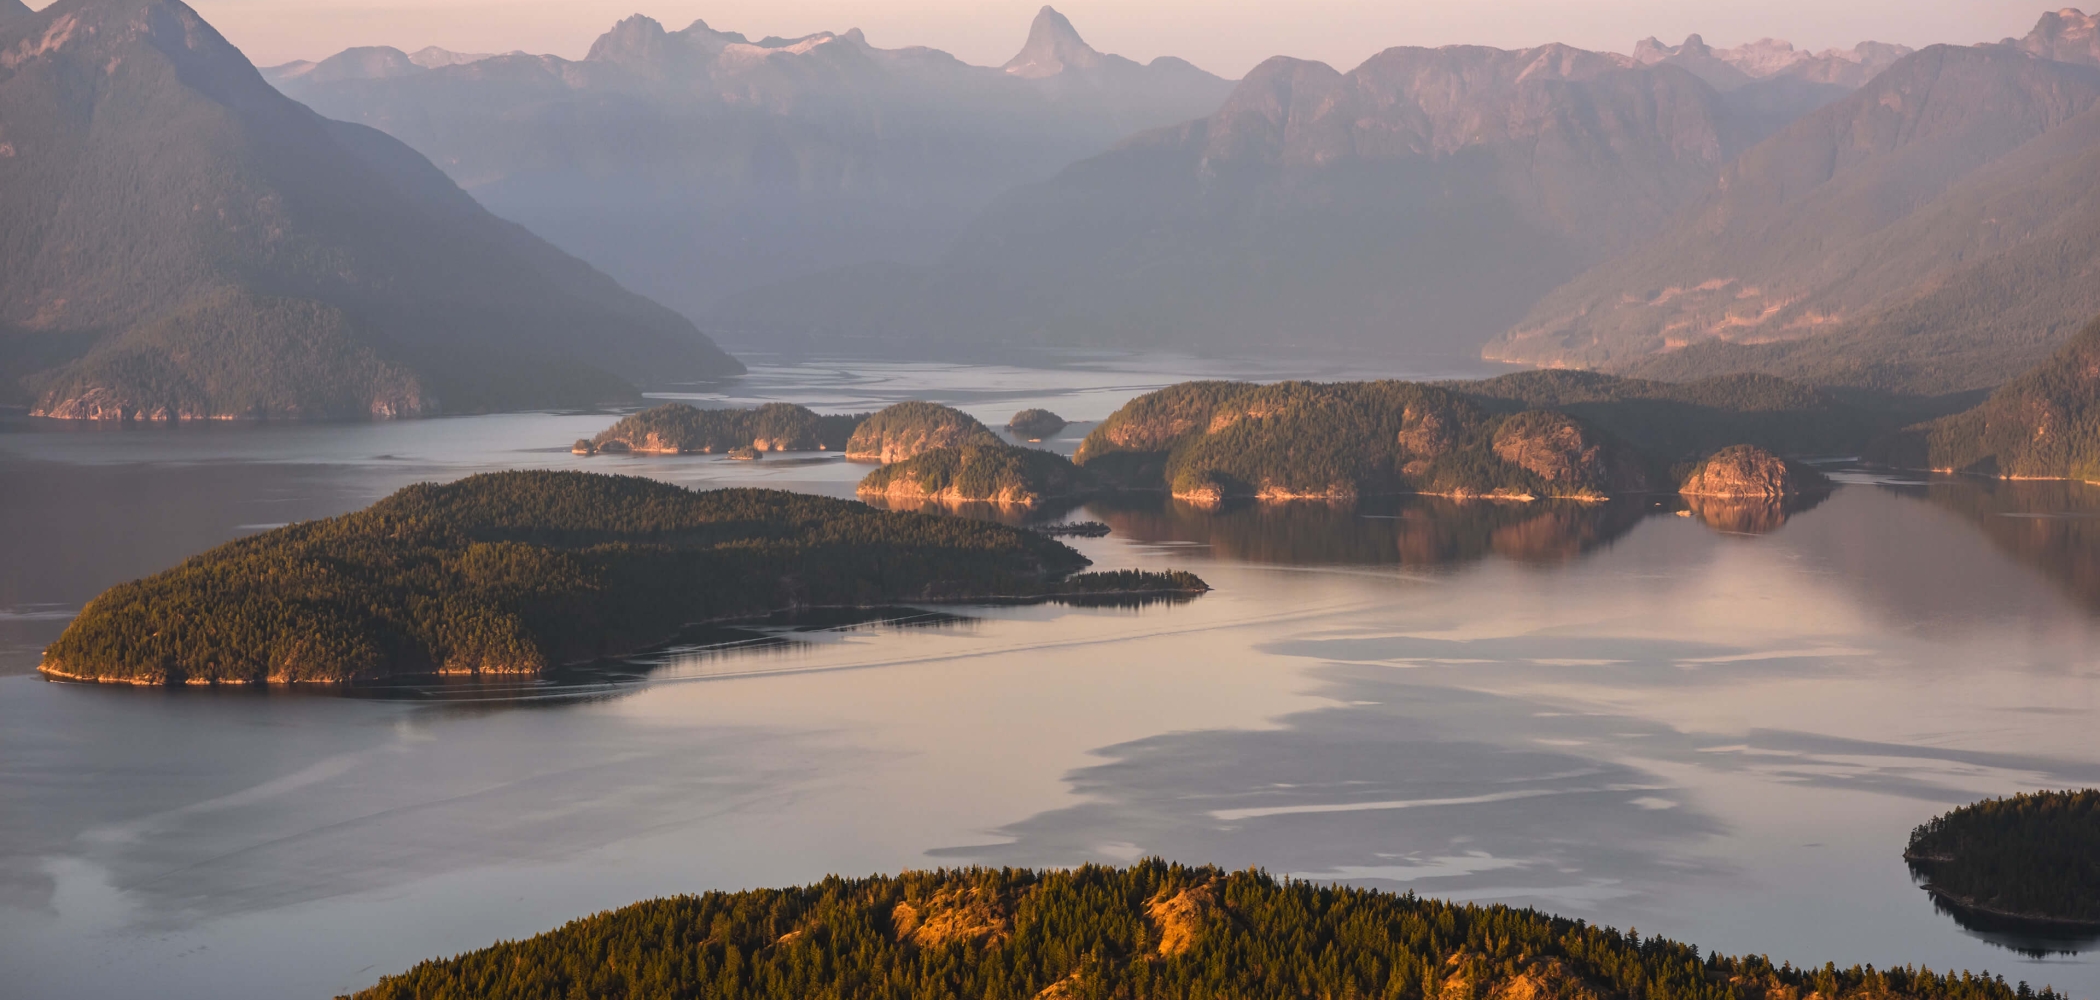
[{"x": 1605, "y": 711}]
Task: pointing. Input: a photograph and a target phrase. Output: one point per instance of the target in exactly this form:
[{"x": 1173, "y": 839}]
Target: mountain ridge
[
  {"x": 271, "y": 263},
  {"x": 1867, "y": 243},
  {"x": 698, "y": 163},
  {"x": 1315, "y": 207}
]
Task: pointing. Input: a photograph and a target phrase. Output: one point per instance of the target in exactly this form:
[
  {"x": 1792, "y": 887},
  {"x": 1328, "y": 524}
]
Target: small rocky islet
[{"x": 1036, "y": 425}]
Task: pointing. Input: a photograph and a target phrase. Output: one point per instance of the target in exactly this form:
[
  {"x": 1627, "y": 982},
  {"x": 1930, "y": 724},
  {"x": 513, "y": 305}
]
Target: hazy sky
[{"x": 1224, "y": 36}]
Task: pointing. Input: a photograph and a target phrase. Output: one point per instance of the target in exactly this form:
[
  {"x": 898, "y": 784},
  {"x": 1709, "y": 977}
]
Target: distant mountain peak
[
  {"x": 1727, "y": 69},
  {"x": 1053, "y": 46},
  {"x": 2067, "y": 35},
  {"x": 637, "y": 40}
]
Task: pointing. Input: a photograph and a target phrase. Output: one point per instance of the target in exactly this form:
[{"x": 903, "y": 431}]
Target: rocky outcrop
[
  {"x": 1036, "y": 425},
  {"x": 1571, "y": 458},
  {"x": 1747, "y": 472},
  {"x": 1179, "y": 918},
  {"x": 908, "y": 430},
  {"x": 970, "y": 916}
]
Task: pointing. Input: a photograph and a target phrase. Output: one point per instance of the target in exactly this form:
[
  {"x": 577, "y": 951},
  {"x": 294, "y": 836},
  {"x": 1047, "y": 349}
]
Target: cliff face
[
  {"x": 907, "y": 430},
  {"x": 1210, "y": 441},
  {"x": 1748, "y": 472},
  {"x": 182, "y": 241},
  {"x": 1570, "y": 457}
]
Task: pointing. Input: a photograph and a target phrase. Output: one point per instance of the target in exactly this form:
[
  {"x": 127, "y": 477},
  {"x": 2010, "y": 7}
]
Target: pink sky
[{"x": 1224, "y": 36}]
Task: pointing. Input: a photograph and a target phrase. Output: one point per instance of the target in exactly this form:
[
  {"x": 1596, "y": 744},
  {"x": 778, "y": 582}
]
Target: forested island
[
  {"x": 1207, "y": 441},
  {"x": 517, "y": 572},
  {"x": 908, "y": 430},
  {"x": 679, "y": 429},
  {"x": 1533, "y": 435},
  {"x": 1153, "y": 930},
  {"x": 1036, "y": 424},
  {"x": 993, "y": 473},
  {"x": 2032, "y": 857}
]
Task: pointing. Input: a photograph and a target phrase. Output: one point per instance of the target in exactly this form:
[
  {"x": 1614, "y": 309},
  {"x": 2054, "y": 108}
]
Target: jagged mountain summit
[
  {"x": 1419, "y": 202},
  {"x": 182, "y": 241},
  {"x": 696, "y": 163},
  {"x": 1768, "y": 58},
  {"x": 2068, "y": 35},
  {"x": 1053, "y": 47},
  {"x": 1936, "y": 231}
]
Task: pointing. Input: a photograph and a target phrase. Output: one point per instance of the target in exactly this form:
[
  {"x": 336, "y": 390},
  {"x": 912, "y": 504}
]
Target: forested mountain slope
[
  {"x": 1417, "y": 203},
  {"x": 1936, "y": 231},
  {"x": 2043, "y": 425},
  {"x": 179, "y": 240}
]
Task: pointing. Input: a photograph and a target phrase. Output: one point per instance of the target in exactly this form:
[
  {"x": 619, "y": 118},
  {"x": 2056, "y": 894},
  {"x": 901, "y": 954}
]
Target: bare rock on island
[{"x": 1749, "y": 472}]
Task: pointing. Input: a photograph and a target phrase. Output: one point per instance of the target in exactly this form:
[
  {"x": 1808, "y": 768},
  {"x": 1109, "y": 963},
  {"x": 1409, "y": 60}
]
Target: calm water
[{"x": 1718, "y": 725}]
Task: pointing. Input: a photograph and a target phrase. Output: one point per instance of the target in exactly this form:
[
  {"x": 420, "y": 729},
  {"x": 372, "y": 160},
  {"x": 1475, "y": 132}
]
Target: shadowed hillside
[
  {"x": 178, "y": 240},
  {"x": 2043, "y": 425},
  {"x": 694, "y": 163}
]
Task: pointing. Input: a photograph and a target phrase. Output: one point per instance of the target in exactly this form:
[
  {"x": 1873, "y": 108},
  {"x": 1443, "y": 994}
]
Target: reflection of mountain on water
[
  {"x": 1750, "y": 515},
  {"x": 2051, "y": 526},
  {"x": 1405, "y": 531}
]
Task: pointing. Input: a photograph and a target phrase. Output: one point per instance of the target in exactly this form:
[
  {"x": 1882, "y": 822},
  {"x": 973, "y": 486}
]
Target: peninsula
[{"x": 516, "y": 572}]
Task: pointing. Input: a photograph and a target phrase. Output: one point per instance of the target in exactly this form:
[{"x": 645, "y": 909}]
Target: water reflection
[
  {"x": 2051, "y": 526},
  {"x": 2029, "y": 938},
  {"x": 1399, "y": 531},
  {"x": 723, "y": 647},
  {"x": 1750, "y": 516}
]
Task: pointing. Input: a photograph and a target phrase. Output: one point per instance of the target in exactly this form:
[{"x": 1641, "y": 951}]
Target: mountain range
[
  {"x": 696, "y": 163},
  {"x": 1936, "y": 231},
  {"x": 179, "y": 240},
  {"x": 1416, "y": 204}
]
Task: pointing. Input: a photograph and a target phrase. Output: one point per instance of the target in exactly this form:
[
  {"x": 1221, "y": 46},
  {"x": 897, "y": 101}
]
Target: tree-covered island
[
  {"x": 2032, "y": 857},
  {"x": 516, "y": 572}
]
